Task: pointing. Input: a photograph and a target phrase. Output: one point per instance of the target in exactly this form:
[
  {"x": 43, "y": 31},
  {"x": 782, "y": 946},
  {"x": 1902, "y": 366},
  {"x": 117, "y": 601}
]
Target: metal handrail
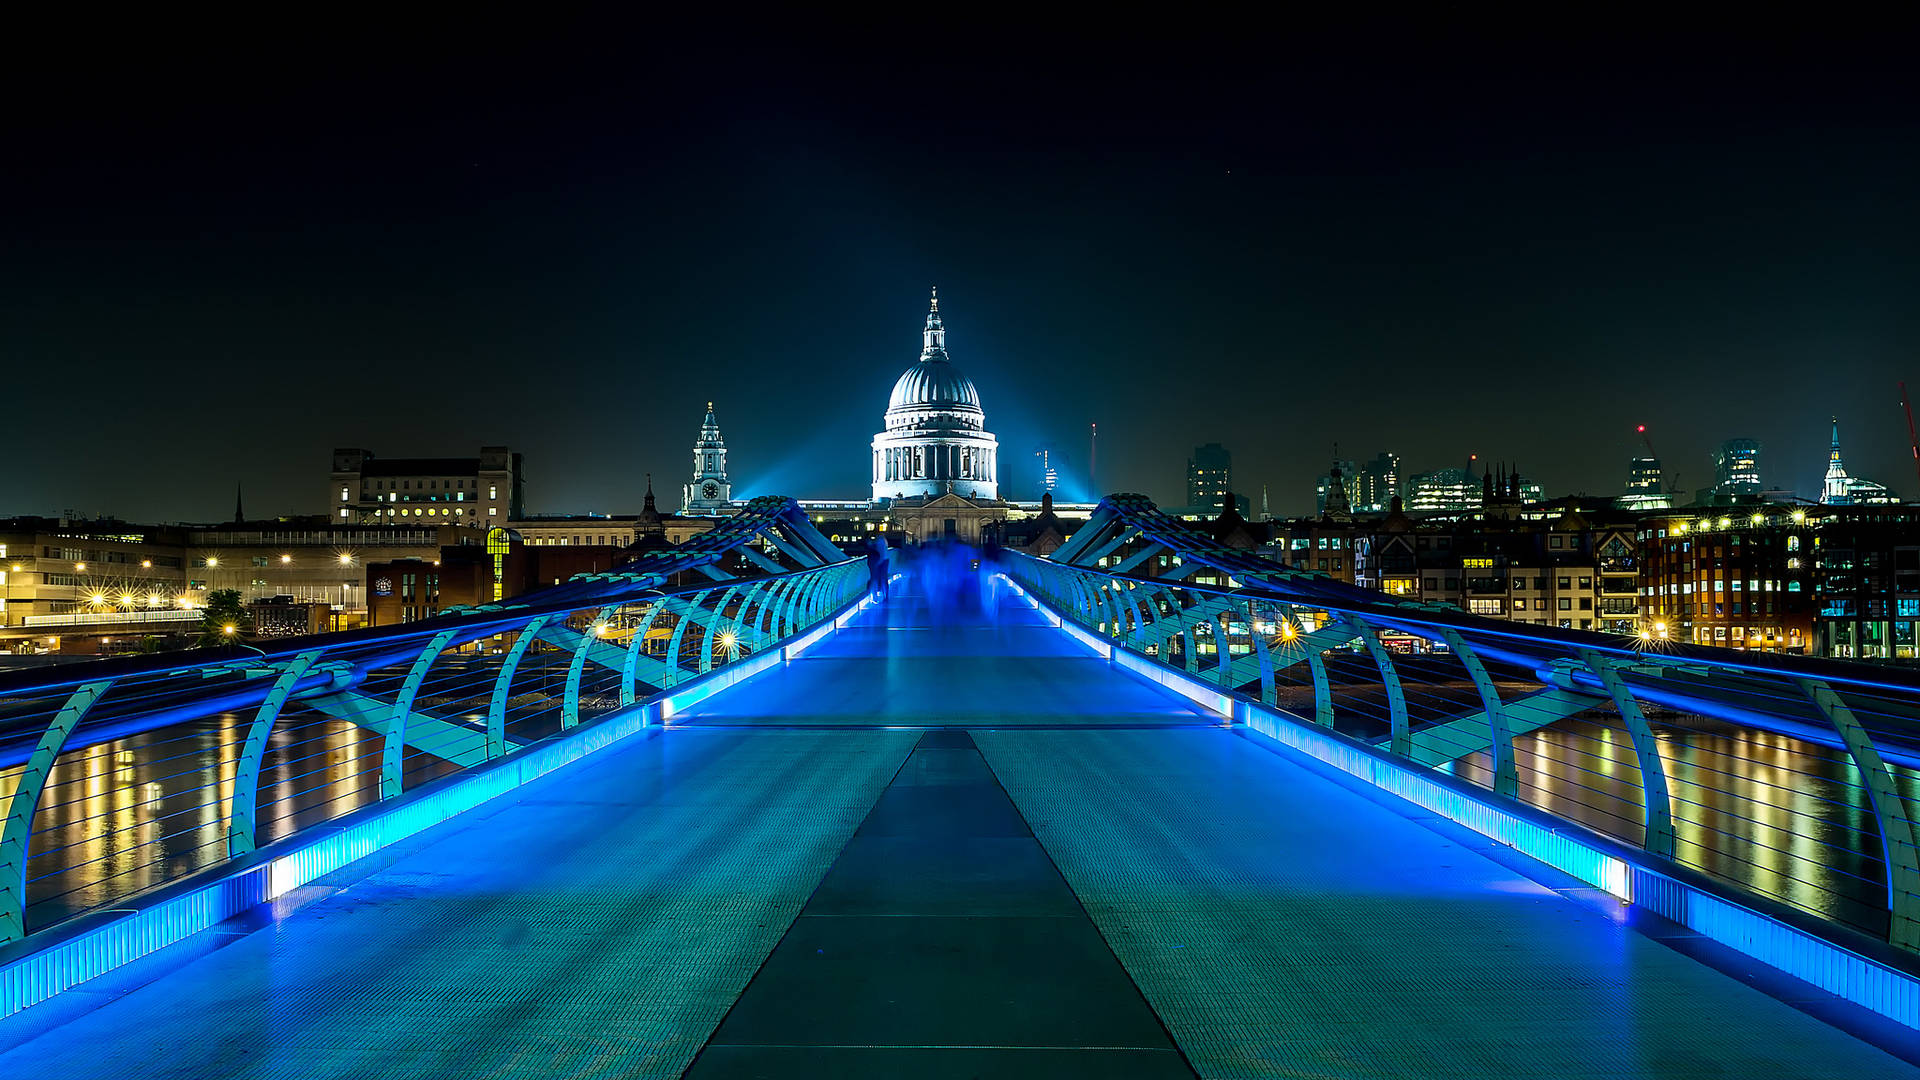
[
  {"x": 114, "y": 770},
  {"x": 1569, "y": 721}
]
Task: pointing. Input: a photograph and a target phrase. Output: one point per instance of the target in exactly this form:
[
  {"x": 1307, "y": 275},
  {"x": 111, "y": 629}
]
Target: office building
[
  {"x": 477, "y": 492},
  {"x": 1209, "y": 478}
]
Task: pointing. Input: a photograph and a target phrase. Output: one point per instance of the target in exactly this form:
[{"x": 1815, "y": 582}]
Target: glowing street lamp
[
  {"x": 213, "y": 560},
  {"x": 285, "y": 559}
]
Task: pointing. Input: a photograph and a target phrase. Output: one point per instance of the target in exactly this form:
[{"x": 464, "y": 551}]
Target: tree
[{"x": 224, "y": 620}]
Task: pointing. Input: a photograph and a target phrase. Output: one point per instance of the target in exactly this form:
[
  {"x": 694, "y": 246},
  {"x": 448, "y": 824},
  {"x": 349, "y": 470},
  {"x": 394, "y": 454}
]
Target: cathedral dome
[
  {"x": 933, "y": 383},
  {"x": 936, "y": 439}
]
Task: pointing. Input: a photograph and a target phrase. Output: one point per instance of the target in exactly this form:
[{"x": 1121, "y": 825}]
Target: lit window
[
  {"x": 343, "y": 494},
  {"x": 492, "y": 510},
  {"x": 493, "y": 492},
  {"x": 343, "y": 511}
]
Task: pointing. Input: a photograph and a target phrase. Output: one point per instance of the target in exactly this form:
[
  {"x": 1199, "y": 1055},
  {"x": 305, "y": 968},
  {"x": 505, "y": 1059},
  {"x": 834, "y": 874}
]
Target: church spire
[
  {"x": 1837, "y": 487},
  {"x": 934, "y": 339}
]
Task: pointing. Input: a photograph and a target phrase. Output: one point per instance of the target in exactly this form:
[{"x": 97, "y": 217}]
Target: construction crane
[{"x": 1912, "y": 442}]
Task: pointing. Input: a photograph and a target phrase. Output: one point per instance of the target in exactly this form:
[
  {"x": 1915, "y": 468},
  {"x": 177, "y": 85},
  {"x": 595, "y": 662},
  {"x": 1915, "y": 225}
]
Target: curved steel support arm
[
  {"x": 570, "y": 699},
  {"x": 1646, "y": 751},
  {"x": 1269, "y": 692},
  {"x": 1322, "y": 690},
  {"x": 502, "y": 684},
  {"x": 629, "y": 671},
  {"x": 674, "y": 674},
  {"x": 1400, "y": 741},
  {"x": 713, "y": 631},
  {"x": 1506, "y": 778},
  {"x": 1889, "y": 811},
  {"x": 393, "y": 752},
  {"x": 25, "y": 800},
  {"x": 243, "y": 804}
]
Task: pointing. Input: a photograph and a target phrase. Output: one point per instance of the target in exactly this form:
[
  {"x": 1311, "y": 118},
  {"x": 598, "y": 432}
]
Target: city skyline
[{"x": 423, "y": 251}]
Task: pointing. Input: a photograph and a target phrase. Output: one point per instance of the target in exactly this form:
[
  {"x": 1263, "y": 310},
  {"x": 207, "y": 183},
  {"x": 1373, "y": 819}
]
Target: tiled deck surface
[{"x": 1107, "y": 886}]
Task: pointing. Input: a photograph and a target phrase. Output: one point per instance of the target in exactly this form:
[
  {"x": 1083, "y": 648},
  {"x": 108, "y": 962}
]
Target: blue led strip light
[
  {"x": 42, "y": 965},
  {"x": 1571, "y": 849}
]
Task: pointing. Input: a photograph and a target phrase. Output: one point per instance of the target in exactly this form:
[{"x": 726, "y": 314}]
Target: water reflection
[{"x": 1778, "y": 815}]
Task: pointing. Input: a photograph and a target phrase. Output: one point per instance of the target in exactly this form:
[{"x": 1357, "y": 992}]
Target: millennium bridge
[{"x": 1145, "y": 807}]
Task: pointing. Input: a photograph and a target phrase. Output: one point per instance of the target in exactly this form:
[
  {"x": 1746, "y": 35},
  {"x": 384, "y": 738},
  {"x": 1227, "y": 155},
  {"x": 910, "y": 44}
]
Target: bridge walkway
[{"x": 1072, "y": 873}]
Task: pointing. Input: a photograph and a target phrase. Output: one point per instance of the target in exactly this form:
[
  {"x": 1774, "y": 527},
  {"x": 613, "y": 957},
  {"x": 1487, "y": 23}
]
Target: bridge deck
[{"x": 788, "y": 885}]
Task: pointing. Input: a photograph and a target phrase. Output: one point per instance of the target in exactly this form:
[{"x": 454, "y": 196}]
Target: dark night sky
[{"x": 221, "y": 259}]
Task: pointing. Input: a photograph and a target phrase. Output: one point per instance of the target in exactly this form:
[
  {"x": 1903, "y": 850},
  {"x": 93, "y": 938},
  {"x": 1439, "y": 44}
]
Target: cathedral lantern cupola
[
  {"x": 709, "y": 489},
  {"x": 936, "y": 439}
]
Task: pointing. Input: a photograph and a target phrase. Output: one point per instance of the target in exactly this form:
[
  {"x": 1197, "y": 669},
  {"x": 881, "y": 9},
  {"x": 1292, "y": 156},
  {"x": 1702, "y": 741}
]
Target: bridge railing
[
  {"x": 123, "y": 775},
  {"x": 1789, "y": 777}
]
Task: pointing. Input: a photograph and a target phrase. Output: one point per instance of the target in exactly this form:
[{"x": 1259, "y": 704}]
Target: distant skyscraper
[
  {"x": 1209, "y": 477},
  {"x": 1444, "y": 490},
  {"x": 1736, "y": 468},
  {"x": 1374, "y": 485},
  {"x": 1644, "y": 491},
  {"x": 1049, "y": 477}
]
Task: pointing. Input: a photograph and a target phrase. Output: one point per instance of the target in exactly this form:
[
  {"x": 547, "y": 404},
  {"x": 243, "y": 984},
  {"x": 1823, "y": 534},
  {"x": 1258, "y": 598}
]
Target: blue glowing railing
[
  {"x": 122, "y": 776},
  {"x": 1788, "y": 779}
]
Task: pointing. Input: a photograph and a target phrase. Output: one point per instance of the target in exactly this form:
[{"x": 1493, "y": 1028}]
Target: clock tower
[{"x": 709, "y": 489}]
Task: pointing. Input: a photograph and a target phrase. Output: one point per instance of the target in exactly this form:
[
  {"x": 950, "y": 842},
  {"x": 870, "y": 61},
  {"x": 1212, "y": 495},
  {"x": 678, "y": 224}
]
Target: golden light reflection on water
[
  {"x": 1779, "y": 815},
  {"x": 122, "y": 817}
]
